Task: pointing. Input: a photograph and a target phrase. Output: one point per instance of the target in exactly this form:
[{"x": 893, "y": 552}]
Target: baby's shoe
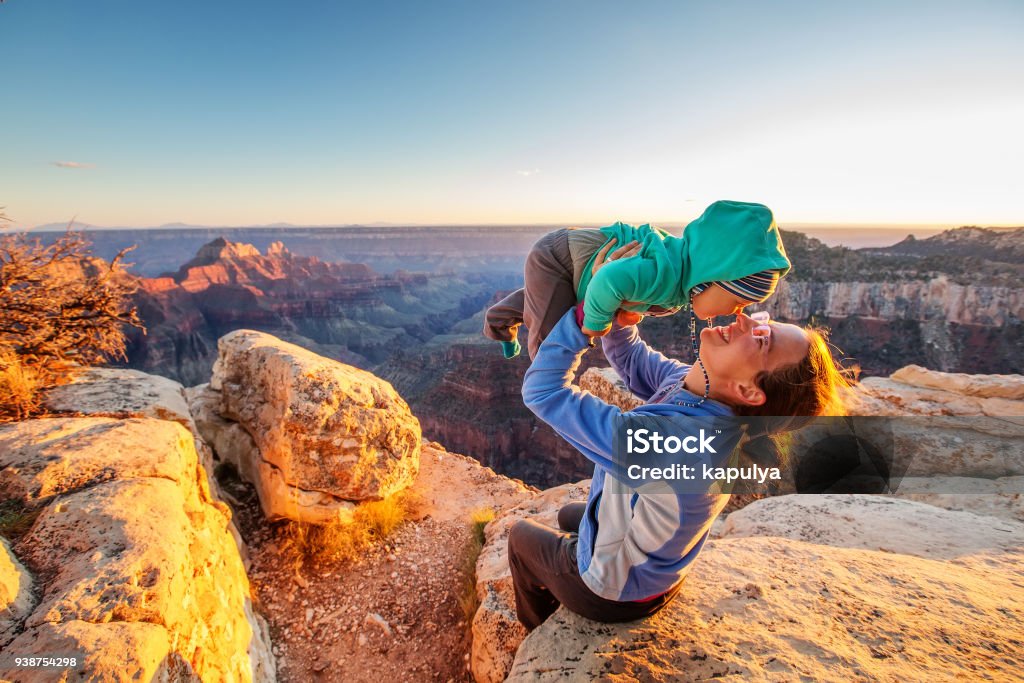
[{"x": 511, "y": 349}]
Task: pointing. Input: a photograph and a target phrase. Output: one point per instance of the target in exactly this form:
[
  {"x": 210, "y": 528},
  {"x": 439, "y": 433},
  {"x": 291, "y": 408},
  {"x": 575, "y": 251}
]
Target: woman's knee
[
  {"x": 570, "y": 515},
  {"x": 517, "y": 537}
]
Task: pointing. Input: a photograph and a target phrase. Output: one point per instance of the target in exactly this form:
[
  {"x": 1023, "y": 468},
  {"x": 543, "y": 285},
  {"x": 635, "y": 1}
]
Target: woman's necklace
[{"x": 696, "y": 353}]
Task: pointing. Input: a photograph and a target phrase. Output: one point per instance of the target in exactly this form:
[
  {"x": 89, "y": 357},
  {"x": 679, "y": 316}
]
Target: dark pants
[
  {"x": 548, "y": 294},
  {"x": 545, "y": 574}
]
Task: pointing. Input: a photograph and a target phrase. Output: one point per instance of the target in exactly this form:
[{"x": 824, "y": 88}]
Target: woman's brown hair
[{"x": 797, "y": 393}]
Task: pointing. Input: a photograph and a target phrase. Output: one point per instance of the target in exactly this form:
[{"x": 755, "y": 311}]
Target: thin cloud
[
  {"x": 527, "y": 174},
  {"x": 72, "y": 164}
]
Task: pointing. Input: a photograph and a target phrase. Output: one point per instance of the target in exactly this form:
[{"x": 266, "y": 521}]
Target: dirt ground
[{"x": 392, "y": 616}]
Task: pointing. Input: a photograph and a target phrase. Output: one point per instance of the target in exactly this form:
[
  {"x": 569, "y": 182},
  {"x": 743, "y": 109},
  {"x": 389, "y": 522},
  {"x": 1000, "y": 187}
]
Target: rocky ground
[
  {"x": 788, "y": 588},
  {"x": 397, "y": 613}
]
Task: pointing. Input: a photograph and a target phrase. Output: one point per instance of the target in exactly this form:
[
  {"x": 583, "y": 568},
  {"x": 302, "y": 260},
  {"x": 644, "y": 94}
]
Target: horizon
[
  {"x": 533, "y": 114},
  {"x": 852, "y": 236},
  {"x": 798, "y": 226}
]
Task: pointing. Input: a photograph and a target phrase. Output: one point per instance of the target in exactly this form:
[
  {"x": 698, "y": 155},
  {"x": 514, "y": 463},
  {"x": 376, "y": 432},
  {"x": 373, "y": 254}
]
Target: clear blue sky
[{"x": 563, "y": 111}]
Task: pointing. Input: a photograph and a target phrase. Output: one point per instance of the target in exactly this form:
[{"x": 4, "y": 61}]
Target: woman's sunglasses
[{"x": 762, "y": 330}]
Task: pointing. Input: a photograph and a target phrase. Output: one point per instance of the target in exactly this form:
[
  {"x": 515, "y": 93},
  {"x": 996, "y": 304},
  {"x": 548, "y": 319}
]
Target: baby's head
[{"x": 710, "y": 299}]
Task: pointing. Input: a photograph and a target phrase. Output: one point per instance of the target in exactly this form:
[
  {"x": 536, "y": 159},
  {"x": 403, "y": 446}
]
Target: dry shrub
[
  {"x": 60, "y": 308},
  {"x": 468, "y": 601},
  {"x": 19, "y": 386},
  {"x": 341, "y": 542}
]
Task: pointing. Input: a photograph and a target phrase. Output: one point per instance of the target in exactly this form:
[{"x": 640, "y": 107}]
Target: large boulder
[
  {"x": 784, "y": 610},
  {"x": 135, "y": 559},
  {"x": 327, "y": 434},
  {"x": 496, "y": 631},
  {"x": 232, "y": 444}
]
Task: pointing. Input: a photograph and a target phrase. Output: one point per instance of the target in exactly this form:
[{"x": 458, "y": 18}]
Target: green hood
[{"x": 729, "y": 241}]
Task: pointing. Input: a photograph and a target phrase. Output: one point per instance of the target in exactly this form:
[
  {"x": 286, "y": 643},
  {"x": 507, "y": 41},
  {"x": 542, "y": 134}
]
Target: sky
[{"x": 119, "y": 113}]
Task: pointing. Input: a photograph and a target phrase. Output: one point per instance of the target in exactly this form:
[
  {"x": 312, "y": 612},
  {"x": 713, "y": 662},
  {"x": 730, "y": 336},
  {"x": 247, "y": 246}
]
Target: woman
[{"x": 623, "y": 557}]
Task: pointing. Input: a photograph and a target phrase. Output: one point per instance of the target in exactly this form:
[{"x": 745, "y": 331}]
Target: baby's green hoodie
[{"x": 729, "y": 241}]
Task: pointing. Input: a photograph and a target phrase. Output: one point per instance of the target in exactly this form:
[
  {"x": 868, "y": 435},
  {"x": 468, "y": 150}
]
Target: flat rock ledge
[
  {"x": 315, "y": 436},
  {"x": 130, "y": 562},
  {"x": 830, "y": 588},
  {"x": 780, "y": 610}
]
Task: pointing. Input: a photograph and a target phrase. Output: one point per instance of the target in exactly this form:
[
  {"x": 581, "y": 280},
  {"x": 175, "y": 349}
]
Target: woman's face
[{"x": 733, "y": 357}]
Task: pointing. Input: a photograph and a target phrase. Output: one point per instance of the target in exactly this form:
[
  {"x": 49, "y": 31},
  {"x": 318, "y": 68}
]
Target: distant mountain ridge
[
  {"x": 965, "y": 255},
  {"x": 49, "y": 227},
  {"x": 1004, "y": 246}
]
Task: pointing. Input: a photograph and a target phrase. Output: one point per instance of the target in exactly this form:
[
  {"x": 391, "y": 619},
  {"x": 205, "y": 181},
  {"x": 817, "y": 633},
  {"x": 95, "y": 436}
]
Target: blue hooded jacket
[{"x": 632, "y": 545}]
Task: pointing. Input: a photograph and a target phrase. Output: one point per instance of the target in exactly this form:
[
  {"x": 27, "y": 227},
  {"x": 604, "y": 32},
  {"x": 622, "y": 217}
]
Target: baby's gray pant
[{"x": 548, "y": 294}]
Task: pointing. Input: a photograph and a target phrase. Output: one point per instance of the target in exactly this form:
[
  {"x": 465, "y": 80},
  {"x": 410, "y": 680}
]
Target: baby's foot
[{"x": 510, "y": 349}]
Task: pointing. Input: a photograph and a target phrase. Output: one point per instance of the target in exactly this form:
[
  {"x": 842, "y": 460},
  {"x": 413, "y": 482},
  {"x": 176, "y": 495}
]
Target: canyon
[{"x": 952, "y": 302}]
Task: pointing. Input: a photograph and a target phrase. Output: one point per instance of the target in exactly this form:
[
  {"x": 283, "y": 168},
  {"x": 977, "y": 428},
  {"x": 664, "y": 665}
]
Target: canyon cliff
[
  {"x": 951, "y": 302},
  {"x": 344, "y": 311}
]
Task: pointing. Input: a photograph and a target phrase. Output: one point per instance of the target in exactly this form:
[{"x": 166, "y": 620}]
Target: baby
[{"x": 730, "y": 257}]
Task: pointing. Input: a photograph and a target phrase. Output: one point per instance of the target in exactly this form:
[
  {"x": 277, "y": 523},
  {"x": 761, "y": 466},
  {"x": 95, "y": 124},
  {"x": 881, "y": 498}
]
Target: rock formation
[
  {"x": 138, "y": 569},
  {"x": 913, "y": 390},
  {"x": 956, "y": 437},
  {"x": 324, "y": 435},
  {"x": 345, "y": 311}
]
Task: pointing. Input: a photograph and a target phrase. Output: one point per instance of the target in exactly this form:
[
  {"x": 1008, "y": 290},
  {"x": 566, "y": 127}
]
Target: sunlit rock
[
  {"x": 779, "y": 609},
  {"x": 875, "y": 523},
  {"x": 16, "y": 598},
  {"x": 327, "y": 434},
  {"x": 129, "y": 533}
]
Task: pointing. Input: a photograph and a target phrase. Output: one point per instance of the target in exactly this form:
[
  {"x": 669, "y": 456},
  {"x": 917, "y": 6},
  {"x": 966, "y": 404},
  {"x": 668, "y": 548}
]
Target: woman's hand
[
  {"x": 603, "y": 257},
  {"x": 624, "y": 318}
]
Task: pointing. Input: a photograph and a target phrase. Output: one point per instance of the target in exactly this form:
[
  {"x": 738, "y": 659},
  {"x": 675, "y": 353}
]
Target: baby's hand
[{"x": 627, "y": 318}]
